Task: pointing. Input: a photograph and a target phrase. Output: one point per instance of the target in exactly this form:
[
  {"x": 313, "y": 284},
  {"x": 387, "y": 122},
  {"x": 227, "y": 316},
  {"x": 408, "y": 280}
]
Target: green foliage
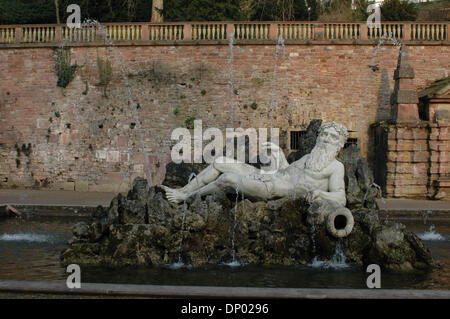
[
  {"x": 338, "y": 10},
  {"x": 282, "y": 10},
  {"x": 360, "y": 13},
  {"x": 64, "y": 70},
  {"x": 26, "y": 11},
  {"x": 203, "y": 92},
  {"x": 398, "y": 10},
  {"x": 190, "y": 122},
  {"x": 254, "y": 105},
  {"x": 104, "y": 73},
  {"x": 176, "y": 111},
  {"x": 132, "y": 126},
  {"x": 433, "y": 10},
  {"x": 44, "y": 11},
  {"x": 201, "y": 10}
]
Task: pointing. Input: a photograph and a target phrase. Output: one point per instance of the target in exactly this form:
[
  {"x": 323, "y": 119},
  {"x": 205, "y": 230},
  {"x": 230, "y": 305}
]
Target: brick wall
[
  {"x": 413, "y": 160},
  {"x": 74, "y": 138}
]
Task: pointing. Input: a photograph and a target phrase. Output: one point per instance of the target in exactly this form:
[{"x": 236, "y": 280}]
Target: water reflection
[{"x": 30, "y": 249}]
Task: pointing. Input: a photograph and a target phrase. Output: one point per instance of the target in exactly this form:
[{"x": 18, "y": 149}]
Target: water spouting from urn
[{"x": 337, "y": 261}]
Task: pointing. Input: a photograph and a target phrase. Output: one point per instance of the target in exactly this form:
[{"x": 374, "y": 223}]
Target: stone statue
[{"x": 317, "y": 175}]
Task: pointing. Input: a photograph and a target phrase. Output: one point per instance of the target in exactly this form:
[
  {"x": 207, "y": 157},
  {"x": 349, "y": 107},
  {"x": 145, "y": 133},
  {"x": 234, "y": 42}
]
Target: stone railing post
[
  {"x": 273, "y": 31},
  {"x": 187, "y": 32},
  {"x": 58, "y": 33},
  {"x": 230, "y": 28},
  {"x": 446, "y": 27},
  {"x": 319, "y": 31},
  {"x": 363, "y": 29},
  {"x": 18, "y": 34},
  {"x": 407, "y": 31},
  {"x": 145, "y": 32}
]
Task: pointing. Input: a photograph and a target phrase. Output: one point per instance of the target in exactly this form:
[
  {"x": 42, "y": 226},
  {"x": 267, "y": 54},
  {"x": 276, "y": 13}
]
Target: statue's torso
[{"x": 298, "y": 176}]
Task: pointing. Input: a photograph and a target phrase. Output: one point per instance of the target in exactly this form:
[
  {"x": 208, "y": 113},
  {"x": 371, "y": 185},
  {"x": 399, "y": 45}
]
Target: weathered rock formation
[{"x": 144, "y": 229}]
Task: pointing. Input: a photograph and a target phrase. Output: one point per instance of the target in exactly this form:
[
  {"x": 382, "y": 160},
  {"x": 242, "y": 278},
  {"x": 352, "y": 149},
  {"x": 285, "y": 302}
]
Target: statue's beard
[{"x": 321, "y": 156}]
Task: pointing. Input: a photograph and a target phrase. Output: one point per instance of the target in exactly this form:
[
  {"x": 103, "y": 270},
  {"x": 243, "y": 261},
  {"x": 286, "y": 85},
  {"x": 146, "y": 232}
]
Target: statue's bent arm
[
  {"x": 336, "y": 185},
  {"x": 277, "y": 154}
]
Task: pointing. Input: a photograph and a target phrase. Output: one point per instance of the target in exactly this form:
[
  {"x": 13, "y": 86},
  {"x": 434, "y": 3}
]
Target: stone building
[{"x": 412, "y": 149}]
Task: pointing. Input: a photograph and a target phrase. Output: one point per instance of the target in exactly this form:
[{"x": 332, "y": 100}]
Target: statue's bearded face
[
  {"x": 329, "y": 136},
  {"x": 328, "y": 144}
]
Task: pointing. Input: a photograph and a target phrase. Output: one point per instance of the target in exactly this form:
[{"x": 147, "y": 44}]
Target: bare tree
[
  {"x": 58, "y": 21},
  {"x": 156, "y": 14}
]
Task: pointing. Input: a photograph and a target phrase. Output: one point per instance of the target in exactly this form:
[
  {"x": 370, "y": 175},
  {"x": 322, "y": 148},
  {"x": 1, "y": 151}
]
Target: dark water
[{"x": 30, "y": 249}]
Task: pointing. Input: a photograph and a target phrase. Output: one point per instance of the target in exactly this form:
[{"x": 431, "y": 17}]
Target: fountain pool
[{"x": 30, "y": 250}]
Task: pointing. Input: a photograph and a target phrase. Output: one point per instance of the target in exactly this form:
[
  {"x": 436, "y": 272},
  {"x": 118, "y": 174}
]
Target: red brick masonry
[{"x": 74, "y": 138}]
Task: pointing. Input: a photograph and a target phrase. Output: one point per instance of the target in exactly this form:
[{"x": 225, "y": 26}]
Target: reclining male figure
[{"x": 316, "y": 175}]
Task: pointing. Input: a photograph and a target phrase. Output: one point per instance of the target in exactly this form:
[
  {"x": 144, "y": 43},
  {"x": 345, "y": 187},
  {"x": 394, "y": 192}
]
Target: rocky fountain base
[{"x": 144, "y": 229}]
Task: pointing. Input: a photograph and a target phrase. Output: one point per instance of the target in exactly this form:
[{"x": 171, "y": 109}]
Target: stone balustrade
[{"x": 201, "y": 32}]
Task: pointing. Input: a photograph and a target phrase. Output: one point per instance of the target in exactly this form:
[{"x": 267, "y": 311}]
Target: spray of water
[
  {"x": 338, "y": 261},
  {"x": 313, "y": 239},
  {"x": 385, "y": 37},
  {"x": 108, "y": 40},
  {"x": 231, "y": 81},
  {"x": 425, "y": 215},
  {"x": 274, "y": 79},
  {"x": 180, "y": 263},
  {"x": 24, "y": 237},
  {"x": 234, "y": 262},
  {"x": 233, "y": 248},
  {"x": 431, "y": 234},
  {"x": 379, "y": 192}
]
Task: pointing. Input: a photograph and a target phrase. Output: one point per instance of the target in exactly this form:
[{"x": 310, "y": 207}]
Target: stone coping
[
  {"x": 218, "y": 32},
  {"x": 215, "y": 42},
  {"x": 101, "y": 289}
]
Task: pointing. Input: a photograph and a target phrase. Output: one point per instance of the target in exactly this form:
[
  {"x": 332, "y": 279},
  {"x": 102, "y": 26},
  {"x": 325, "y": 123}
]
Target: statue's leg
[
  {"x": 212, "y": 172},
  {"x": 205, "y": 177},
  {"x": 244, "y": 184}
]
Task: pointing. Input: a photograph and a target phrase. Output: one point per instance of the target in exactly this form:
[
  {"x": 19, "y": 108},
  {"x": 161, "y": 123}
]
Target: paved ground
[
  {"x": 54, "y": 198},
  {"x": 413, "y": 205},
  {"x": 90, "y": 289},
  {"x": 90, "y": 199}
]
